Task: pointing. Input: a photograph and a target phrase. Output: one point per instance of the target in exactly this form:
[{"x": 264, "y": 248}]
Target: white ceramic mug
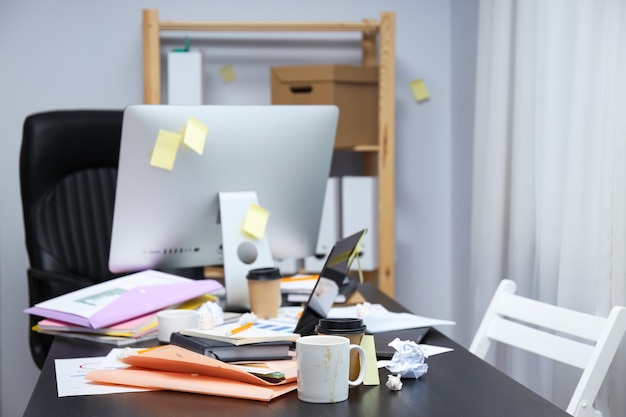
[
  {"x": 170, "y": 321},
  {"x": 323, "y": 364}
]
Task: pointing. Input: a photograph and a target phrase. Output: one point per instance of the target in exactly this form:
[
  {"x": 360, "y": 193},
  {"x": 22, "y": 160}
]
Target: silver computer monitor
[{"x": 168, "y": 218}]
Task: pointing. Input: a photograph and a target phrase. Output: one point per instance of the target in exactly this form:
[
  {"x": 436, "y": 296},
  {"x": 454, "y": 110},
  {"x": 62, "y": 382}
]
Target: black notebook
[{"x": 227, "y": 352}]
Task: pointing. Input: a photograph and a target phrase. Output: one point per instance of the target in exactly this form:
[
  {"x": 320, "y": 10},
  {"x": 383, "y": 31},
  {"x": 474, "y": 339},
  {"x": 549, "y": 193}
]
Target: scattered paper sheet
[
  {"x": 380, "y": 319},
  {"x": 165, "y": 149},
  {"x": 430, "y": 350},
  {"x": 227, "y": 72},
  {"x": 419, "y": 90},
  {"x": 194, "y": 135},
  {"x": 255, "y": 221},
  {"x": 71, "y": 380}
]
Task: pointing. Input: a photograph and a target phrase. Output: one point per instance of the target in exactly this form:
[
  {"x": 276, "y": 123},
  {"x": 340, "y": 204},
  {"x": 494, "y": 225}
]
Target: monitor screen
[{"x": 169, "y": 218}]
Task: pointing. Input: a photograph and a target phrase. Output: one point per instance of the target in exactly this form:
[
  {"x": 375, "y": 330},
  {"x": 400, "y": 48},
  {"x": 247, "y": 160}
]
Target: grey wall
[{"x": 79, "y": 54}]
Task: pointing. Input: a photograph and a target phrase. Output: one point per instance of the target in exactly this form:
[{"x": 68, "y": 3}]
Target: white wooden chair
[{"x": 556, "y": 333}]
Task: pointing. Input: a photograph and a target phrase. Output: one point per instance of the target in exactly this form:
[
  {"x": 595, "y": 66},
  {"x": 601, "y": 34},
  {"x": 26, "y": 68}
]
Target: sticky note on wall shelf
[
  {"x": 227, "y": 72},
  {"x": 194, "y": 135},
  {"x": 165, "y": 149},
  {"x": 419, "y": 90},
  {"x": 255, "y": 221}
]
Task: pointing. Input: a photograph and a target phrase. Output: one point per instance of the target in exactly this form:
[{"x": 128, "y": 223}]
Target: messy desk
[{"x": 457, "y": 383}]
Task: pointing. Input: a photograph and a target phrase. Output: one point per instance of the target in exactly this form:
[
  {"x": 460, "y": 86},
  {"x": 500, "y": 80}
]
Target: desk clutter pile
[
  {"x": 125, "y": 310},
  {"x": 244, "y": 357}
]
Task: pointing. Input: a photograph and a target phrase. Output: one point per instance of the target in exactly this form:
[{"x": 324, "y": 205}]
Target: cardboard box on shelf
[{"x": 352, "y": 88}]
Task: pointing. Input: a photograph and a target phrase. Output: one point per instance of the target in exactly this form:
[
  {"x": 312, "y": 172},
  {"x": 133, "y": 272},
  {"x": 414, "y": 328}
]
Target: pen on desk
[{"x": 239, "y": 329}]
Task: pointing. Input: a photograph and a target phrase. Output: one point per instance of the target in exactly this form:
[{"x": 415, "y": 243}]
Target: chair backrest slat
[
  {"x": 570, "y": 322},
  {"x": 542, "y": 343},
  {"x": 578, "y": 339}
]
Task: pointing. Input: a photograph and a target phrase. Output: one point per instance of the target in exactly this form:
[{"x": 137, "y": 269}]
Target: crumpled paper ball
[
  {"x": 363, "y": 309},
  {"x": 247, "y": 318},
  {"x": 393, "y": 382},
  {"x": 210, "y": 314},
  {"x": 408, "y": 361}
]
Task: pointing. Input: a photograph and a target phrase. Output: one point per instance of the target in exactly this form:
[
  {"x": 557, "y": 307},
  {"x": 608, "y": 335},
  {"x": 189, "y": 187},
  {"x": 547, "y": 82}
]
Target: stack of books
[
  {"x": 121, "y": 311},
  {"x": 228, "y": 344}
]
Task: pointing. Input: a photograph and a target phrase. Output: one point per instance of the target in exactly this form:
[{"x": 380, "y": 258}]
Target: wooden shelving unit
[{"x": 378, "y": 47}]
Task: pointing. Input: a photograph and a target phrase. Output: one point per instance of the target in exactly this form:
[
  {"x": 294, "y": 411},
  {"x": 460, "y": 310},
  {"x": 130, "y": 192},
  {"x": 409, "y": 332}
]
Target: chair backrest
[
  {"x": 68, "y": 172},
  {"x": 578, "y": 339},
  {"x": 68, "y": 175}
]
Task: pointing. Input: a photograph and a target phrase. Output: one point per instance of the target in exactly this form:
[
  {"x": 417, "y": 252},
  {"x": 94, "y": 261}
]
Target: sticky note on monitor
[
  {"x": 255, "y": 221},
  {"x": 227, "y": 72},
  {"x": 194, "y": 135},
  {"x": 419, "y": 90},
  {"x": 165, "y": 149}
]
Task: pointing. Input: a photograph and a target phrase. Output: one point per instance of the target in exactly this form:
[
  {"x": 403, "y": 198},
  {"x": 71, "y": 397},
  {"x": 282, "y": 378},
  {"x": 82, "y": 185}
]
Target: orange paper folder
[{"x": 178, "y": 369}]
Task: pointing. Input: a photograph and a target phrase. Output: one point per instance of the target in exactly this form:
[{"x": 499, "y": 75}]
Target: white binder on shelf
[
  {"x": 330, "y": 226},
  {"x": 359, "y": 210},
  {"x": 184, "y": 77}
]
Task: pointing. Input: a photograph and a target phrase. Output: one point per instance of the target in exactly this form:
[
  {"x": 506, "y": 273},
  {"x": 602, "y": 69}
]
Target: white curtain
[{"x": 549, "y": 186}]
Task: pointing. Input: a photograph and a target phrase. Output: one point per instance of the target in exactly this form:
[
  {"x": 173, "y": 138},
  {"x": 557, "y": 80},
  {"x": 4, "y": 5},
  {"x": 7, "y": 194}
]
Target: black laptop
[{"x": 332, "y": 278}]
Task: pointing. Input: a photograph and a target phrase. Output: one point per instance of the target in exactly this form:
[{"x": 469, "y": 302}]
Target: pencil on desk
[
  {"x": 239, "y": 329},
  {"x": 140, "y": 351}
]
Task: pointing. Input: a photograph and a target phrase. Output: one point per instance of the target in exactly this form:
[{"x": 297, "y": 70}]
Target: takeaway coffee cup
[
  {"x": 323, "y": 363},
  {"x": 264, "y": 291},
  {"x": 352, "y": 328}
]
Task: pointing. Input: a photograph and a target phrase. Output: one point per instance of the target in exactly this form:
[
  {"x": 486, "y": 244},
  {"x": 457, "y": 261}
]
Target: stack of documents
[
  {"x": 123, "y": 310},
  {"x": 297, "y": 289},
  {"x": 122, "y": 334},
  {"x": 231, "y": 342},
  {"x": 178, "y": 369}
]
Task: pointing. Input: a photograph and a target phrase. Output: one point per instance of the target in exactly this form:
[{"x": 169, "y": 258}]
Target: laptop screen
[{"x": 333, "y": 276}]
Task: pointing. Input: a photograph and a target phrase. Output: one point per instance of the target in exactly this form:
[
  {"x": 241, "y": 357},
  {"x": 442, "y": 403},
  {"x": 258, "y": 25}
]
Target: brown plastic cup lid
[
  {"x": 264, "y": 274},
  {"x": 340, "y": 326}
]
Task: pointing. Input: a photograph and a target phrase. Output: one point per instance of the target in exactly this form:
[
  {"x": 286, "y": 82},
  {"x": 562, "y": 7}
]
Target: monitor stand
[{"x": 241, "y": 251}]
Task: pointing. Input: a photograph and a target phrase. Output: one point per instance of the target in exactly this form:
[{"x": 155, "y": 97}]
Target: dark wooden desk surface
[{"x": 457, "y": 384}]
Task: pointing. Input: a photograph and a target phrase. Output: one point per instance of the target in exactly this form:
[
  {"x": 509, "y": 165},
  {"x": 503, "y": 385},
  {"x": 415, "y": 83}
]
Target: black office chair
[
  {"x": 68, "y": 175},
  {"x": 68, "y": 172}
]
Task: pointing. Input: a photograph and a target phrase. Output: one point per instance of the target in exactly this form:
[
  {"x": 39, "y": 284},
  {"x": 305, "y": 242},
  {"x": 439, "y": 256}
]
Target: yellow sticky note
[
  {"x": 165, "y": 149},
  {"x": 255, "y": 221},
  {"x": 194, "y": 135},
  {"x": 420, "y": 92},
  {"x": 371, "y": 367},
  {"x": 227, "y": 72}
]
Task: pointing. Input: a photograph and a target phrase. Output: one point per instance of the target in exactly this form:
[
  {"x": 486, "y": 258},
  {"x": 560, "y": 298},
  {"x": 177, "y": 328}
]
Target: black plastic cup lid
[
  {"x": 264, "y": 273},
  {"x": 340, "y": 326}
]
